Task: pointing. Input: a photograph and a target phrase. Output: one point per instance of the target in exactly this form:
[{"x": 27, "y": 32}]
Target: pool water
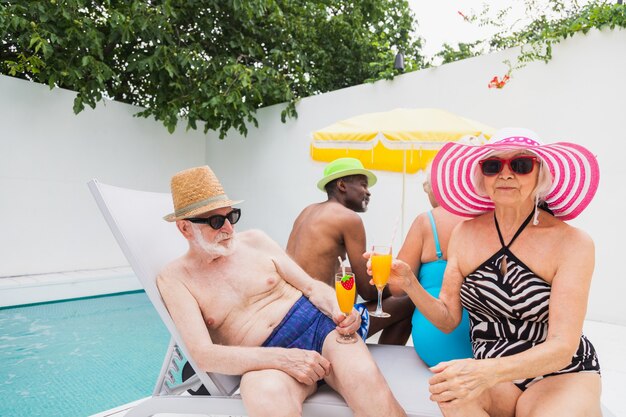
[{"x": 80, "y": 357}]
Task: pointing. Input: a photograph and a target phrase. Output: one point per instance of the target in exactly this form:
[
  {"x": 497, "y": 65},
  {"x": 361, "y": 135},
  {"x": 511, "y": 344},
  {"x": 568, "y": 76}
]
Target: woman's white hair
[{"x": 428, "y": 170}]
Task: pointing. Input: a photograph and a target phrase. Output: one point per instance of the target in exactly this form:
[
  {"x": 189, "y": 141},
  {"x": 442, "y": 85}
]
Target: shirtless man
[
  {"x": 243, "y": 307},
  {"x": 331, "y": 229}
]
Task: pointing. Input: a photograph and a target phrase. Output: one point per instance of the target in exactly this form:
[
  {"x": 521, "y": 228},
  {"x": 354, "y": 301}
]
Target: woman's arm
[
  {"x": 574, "y": 258},
  {"x": 444, "y": 312},
  {"x": 410, "y": 252}
]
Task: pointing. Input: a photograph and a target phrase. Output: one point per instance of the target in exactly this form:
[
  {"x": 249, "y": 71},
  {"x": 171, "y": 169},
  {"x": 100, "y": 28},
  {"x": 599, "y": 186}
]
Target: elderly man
[
  {"x": 325, "y": 231},
  {"x": 243, "y": 307}
]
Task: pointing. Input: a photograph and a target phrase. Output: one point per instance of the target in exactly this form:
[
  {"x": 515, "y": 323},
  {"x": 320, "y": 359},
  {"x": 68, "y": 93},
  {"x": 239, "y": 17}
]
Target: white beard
[{"x": 214, "y": 249}]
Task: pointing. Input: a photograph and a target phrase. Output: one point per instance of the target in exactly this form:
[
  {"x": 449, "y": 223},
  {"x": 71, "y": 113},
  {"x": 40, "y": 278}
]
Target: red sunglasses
[{"x": 521, "y": 165}]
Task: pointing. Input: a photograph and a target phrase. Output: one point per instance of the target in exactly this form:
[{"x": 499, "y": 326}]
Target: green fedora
[{"x": 343, "y": 167}]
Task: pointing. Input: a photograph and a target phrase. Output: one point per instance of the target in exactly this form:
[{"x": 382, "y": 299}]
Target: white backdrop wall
[
  {"x": 578, "y": 96},
  {"x": 49, "y": 222},
  {"x": 48, "y": 219}
]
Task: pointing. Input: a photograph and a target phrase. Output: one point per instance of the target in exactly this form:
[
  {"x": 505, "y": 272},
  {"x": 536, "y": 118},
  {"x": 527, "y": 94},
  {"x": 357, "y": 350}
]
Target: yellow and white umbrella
[{"x": 400, "y": 140}]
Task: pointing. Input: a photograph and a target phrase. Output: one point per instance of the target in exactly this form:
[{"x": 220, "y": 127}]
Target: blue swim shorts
[
  {"x": 365, "y": 320},
  {"x": 304, "y": 327}
]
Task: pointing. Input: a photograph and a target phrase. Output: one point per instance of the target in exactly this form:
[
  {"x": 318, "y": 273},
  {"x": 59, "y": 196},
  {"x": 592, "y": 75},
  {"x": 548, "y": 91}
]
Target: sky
[{"x": 439, "y": 21}]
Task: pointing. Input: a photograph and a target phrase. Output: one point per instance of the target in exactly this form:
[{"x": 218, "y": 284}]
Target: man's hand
[
  {"x": 347, "y": 324},
  {"x": 306, "y": 366}
]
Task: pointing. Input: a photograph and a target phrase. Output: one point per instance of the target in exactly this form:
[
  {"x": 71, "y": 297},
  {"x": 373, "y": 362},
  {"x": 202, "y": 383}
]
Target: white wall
[
  {"x": 578, "y": 96},
  {"x": 48, "y": 219},
  {"x": 49, "y": 222}
]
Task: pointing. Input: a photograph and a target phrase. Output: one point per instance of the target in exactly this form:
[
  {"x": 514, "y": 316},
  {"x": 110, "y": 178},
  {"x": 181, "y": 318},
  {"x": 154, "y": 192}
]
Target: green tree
[
  {"x": 464, "y": 50},
  {"x": 204, "y": 61}
]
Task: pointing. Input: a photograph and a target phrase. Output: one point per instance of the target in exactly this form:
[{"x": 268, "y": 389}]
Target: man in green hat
[{"x": 327, "y": 231}]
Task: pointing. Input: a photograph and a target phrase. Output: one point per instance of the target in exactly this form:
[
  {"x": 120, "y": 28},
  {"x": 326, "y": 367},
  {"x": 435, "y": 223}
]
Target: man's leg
[
  {"x": 397, "y": 328},
  {"x": 355, "y": 376},
  {"x": 273, "y": 393}
]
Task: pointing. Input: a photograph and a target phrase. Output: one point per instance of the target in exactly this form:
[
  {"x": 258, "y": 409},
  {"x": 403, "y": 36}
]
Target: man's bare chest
[{"x": 229, "y": 293}]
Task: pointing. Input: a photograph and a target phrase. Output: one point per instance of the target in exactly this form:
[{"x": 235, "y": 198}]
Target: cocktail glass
[
  {"x": 381, "y": 267},
  {"x": 345, "y": 288}
]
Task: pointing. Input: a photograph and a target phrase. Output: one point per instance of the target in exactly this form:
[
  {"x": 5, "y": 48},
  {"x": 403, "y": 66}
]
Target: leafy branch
[
  {"x": 201, "y": 61},
  {"x": 548, "y": 24}
]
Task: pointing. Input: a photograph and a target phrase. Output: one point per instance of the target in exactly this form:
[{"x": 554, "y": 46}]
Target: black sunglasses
[
  {"x": 521, "y": 165},
  {"x": 217, "y": 221}
]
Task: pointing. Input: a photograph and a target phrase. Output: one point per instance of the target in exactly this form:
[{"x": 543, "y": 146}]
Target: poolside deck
[
  {"x": 40, "y": 288},
  {"x": 608, "y": 339}
]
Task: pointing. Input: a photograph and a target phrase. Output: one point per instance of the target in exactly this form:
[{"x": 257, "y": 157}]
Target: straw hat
[
  {"x": 196, "y": 191},
  {"x": 344, "y": 167},
  {"x": 575, "y": 173}
]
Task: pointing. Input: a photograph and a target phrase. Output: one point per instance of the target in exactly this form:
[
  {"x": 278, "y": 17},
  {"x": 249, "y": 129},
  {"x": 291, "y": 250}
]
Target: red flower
[{"x": 497, "y": 83}]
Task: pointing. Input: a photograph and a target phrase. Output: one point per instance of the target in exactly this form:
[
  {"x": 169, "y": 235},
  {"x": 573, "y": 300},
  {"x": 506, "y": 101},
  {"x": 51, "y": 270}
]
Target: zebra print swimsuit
[{"x": 508, "y": 309}]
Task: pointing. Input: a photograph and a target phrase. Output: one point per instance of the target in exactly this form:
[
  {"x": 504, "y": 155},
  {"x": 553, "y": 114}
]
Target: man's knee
[
  {"x": 364, "y": 373},
  {"x": 272, "y": 393}
]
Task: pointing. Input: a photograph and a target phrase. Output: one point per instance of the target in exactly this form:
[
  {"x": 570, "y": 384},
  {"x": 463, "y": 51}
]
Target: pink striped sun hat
[{"x": 574, "y": 169}]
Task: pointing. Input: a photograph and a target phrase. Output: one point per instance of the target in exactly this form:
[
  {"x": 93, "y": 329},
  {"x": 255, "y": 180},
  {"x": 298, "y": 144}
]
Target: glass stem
[{"x": 379, "y": 307}]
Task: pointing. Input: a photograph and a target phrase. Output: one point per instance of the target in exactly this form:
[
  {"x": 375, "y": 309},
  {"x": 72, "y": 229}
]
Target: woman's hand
[
  {"x": 462, "y": 379},
  {"x": 401, "y": 276}
]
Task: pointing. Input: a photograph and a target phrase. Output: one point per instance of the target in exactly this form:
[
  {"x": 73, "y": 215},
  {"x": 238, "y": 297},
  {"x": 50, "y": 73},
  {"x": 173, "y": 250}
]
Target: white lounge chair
[{"x": 135, "y": 218}]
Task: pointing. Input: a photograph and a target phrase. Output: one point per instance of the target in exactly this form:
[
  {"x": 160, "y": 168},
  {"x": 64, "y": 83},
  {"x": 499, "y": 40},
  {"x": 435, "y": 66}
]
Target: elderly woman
[{"x": 522, "y": 274}]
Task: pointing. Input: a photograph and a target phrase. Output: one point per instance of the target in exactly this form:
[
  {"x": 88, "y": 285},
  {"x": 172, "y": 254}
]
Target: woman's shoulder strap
[{"x": 435, "y": 235}]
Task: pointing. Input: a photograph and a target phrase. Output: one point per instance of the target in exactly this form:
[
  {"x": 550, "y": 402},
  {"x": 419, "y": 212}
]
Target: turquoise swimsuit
[{"x": 431, "y": 344}]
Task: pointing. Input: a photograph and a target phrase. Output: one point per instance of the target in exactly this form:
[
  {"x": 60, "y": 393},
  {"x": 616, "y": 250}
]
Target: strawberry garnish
[{"x": 347, "y": 282}]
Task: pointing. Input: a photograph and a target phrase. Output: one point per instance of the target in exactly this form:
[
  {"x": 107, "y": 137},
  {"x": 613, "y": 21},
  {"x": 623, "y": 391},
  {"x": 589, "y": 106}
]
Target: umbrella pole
[{"x": 403, "y": 194}]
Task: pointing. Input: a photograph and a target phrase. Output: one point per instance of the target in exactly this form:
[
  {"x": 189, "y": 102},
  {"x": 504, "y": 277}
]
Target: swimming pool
[{"x": 79, "y": 357}]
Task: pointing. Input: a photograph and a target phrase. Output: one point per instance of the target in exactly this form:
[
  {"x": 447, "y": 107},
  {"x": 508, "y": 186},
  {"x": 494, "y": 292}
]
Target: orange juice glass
[
  {"x": 345, "y": 288},
  {"x": 381, "y": 267}
]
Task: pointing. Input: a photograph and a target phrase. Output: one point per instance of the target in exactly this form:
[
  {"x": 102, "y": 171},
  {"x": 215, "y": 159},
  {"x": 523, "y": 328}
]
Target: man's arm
[
  {"x": 320, "y": 294},
  {"x": 354, "y": 239},
  {"x": 305, "y": 366}
]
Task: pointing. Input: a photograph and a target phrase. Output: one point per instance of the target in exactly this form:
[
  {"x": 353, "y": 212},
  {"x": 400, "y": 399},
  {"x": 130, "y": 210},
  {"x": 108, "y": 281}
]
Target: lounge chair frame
[{"x": 149, "y": 243}]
